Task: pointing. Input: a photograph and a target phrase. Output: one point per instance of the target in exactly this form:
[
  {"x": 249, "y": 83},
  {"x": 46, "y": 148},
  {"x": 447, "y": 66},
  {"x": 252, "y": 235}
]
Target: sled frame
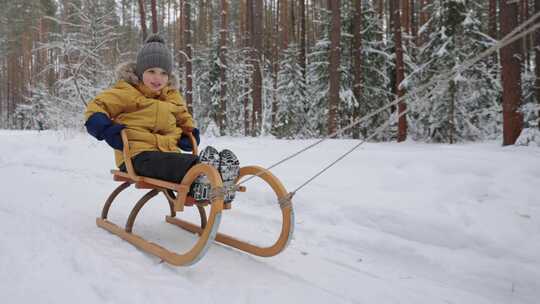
[{"x": 177, "y": 197}]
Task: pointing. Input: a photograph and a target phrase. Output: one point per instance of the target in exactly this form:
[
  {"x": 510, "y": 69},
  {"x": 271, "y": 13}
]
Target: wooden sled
[{"x": 178, "y": 199}]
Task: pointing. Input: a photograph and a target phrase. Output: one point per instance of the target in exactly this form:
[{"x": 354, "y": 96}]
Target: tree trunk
[
  {"x": 451, "y": 111},
  {"x": 42, "y": 54},
  {"x": 154, "y": 17},
  {"x": 248, "y": 44},
  {"x": 292, "y": 22},
  {"x": 223, "y": 65},
  {"x": 284, "y": 24},
  {"x": 143, "y": 19},
  {"x": 492, "y": 21},
  {"x": 188, "y": 51},
  {"x": 511, "y": 74},
  {"x": 240, "y": 33},
  {"x": 523, "y": 16},
  {"x": 3, "y": 84},
  {"x": 400, "y": 70},
  {"x": 381, "y": 16},
  {"x": 303, "y": 37},
  {"x": 256, "y": 91},
  {"x": 209, "y": 23},
  {"x": 275, "y": 61},
  {"x": 174, "y": 34},
  {"x": 406, "y": 17},
  {"x": 414, "y": 22},
  {"x": 201, "y": 24},
  {"x": 181, "y": 24},
  {"x": 168, "y": 19},
  {"x": 424, "y": 16},
  {"x": 537, "y": 58},
  {"x": 357, "y": 63},
  {"x": 335, "y": 36}
]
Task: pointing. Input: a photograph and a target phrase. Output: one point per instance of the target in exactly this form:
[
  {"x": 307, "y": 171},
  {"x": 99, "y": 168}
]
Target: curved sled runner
[{"x": 177, "y": 197}]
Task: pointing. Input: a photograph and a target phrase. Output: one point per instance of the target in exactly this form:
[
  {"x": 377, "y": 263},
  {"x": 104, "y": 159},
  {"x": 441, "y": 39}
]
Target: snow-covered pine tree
[
  {"x": 318, "y": 78},
  {"x": 292, "y": 120},
  {"x": 465, "y": 107},
  {"x": 530, "y": 110},
  {"x": 87, "y": 32},
  {"x": 238, "y": 89},
  {"x": 530, "y": 86},
  {"x": 206, "y": 88},
  {"x": 375, "y": 61}
]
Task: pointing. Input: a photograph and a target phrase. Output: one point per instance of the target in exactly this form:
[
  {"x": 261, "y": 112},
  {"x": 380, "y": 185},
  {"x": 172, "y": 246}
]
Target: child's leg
[{"x": 169, "y": 166}]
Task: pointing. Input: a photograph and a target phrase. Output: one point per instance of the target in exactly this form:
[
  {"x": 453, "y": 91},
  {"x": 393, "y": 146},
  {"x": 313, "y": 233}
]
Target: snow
[{"x": 391, "y": 223}]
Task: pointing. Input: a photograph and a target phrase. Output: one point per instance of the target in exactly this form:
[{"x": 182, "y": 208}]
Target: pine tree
[
  {"x": 292, "y": 120},
  {"x": 531, "y": 97},
  {"x": 375, "y": 60},
  {"x": 465, "y": 107},
  {"x": 318, "y": 78}
]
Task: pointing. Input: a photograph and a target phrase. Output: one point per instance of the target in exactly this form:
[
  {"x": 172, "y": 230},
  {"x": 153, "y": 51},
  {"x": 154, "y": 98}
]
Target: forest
[{"x": 380, "y": 70}]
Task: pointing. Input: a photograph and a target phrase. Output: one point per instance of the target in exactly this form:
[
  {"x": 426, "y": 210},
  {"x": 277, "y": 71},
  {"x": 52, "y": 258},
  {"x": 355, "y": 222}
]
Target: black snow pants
[{"x": 169, "y": 166}]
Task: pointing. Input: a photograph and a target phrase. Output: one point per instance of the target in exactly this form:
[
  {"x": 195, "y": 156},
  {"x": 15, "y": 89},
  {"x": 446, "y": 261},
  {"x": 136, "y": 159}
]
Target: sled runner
[{"x": 177, "y": 197}]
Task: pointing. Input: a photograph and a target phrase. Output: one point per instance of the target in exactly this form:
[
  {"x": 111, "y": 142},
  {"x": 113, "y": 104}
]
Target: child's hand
[
  {"x": 112, "y": 136},
  {"x": 102, "y": 127},
  {"x": 185, "y": 143}
]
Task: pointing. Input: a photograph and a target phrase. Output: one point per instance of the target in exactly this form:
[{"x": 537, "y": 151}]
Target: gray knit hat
[{"x": 154, "y": 53}]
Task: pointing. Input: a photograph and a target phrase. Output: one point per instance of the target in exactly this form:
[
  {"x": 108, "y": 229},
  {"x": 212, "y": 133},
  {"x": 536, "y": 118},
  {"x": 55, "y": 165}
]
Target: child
[{"x": 147, "y": 104}]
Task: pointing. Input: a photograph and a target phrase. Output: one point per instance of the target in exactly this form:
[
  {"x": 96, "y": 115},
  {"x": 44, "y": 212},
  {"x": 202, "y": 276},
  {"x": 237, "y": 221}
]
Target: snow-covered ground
[{"x": 392, "y": 223}]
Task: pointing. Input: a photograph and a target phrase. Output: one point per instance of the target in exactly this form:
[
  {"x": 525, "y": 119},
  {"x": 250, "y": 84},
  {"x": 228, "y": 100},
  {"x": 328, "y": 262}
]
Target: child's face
[{"x": 155, "y": 79}]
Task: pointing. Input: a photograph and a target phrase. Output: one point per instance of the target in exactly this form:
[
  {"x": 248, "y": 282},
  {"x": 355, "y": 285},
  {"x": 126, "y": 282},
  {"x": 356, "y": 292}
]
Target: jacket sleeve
[
  {"x": 183, "y": 118},
  {"x": 98, "y": 116},
  {"x": 108, "y": 103}
]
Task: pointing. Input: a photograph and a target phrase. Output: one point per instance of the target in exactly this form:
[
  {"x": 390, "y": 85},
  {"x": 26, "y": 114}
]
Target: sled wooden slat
[{"x": 148, "y": 182}]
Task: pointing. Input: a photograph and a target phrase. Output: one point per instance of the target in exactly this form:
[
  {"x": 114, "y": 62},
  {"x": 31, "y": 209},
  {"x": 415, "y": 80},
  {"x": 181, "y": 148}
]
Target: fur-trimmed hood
[{"x": 126, "y": 71}]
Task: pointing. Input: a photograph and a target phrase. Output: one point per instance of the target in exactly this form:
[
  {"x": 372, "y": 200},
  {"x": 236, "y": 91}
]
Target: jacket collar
[{"x": 126, "y": 72}]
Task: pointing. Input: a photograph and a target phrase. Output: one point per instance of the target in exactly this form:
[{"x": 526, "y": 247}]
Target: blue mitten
[
  {"x": 96, "y": 124},
  {"x": 185, "y": 143},
  {"x": 112, "y": 136},
  {"x": 101, "y": 127}
]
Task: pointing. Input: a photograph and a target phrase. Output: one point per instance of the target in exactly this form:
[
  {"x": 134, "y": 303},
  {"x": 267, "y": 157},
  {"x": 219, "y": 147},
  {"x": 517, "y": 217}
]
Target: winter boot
[
  {"x": 229, "y": 167},
  {"x": 200, "y": 189}
]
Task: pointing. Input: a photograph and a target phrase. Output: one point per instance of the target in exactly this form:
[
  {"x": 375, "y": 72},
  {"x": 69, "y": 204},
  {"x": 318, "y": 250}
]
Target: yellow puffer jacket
[{"x": 153, "y": 122}]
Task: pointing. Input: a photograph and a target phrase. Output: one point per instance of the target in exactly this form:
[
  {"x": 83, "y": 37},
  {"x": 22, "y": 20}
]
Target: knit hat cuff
[
  {"x": 154, "y": 53},
  {"x": 153, "y": 60}
]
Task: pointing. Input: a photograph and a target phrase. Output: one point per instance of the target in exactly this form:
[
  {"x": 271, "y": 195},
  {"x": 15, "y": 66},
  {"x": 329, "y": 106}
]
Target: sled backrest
[
  {"x": 127, "y": 157},
  {"x": 130, "y": 171}
]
